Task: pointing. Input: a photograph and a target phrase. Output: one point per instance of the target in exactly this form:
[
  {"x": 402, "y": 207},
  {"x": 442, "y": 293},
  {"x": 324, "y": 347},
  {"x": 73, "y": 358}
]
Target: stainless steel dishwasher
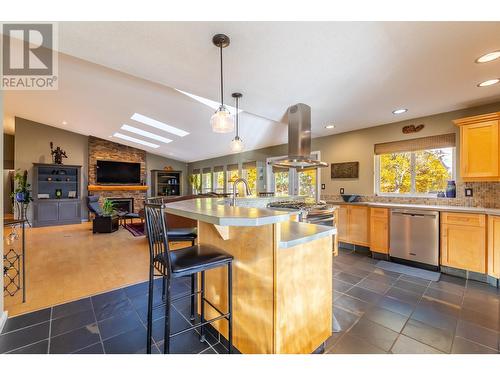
[{"x": 415, "y": 236}]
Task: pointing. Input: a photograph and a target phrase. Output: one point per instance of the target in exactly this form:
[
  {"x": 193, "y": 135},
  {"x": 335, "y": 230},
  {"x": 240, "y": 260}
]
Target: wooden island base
[{"x": 282, "y": 297}]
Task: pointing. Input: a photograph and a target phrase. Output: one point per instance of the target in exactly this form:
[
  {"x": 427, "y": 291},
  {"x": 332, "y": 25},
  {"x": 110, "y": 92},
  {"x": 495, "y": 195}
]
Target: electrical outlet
[
  {"x": 341, "y": 190},
  {"x": 468, "y": 192},
  {"x": 323, "y": 186}
]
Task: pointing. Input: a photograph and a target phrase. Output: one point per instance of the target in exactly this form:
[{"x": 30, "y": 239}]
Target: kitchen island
[{"x": 282, "y": 275}]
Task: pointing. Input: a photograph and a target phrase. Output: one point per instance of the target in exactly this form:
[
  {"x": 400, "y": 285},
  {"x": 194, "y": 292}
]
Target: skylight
[
  {"x": 158, "y": 125},
  {"x": 144, "y": 133},
  {"x": 210, "y": 103},
  {"x": 135, "y": 140}
]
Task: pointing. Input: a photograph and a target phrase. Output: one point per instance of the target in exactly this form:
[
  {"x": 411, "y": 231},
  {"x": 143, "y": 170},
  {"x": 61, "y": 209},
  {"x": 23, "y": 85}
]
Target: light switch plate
[
  {"x": 323, "y": 186},
  {"x": 341, "y": 190},
  {"x": 468, "y": 192}
]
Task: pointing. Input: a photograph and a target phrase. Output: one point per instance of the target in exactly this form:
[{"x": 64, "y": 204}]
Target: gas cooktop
[{"x": 299, "y": 205}]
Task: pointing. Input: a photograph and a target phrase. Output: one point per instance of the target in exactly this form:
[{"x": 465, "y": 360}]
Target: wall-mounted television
[{"x": 118, "y": 172}]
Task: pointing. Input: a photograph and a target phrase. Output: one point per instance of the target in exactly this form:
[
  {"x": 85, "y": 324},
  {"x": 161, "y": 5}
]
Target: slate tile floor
[
  {"x": 379, "y": 312},
  {"x": 113, "y": 322},
  {"x": 386, "y": 312}
]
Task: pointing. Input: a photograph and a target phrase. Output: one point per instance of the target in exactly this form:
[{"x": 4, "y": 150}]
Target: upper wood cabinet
[
  {"x": 494, "y": 246},
  {"x": 463, "y": 241},
  {"x": 479, "y": 147},
  {"x": 354, "y": 224},
  {"x": 379, "y": 230}
]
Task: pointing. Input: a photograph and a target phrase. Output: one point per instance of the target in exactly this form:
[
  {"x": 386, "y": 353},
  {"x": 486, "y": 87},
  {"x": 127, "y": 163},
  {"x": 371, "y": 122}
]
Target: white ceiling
[{"x": 352, "y": 74}]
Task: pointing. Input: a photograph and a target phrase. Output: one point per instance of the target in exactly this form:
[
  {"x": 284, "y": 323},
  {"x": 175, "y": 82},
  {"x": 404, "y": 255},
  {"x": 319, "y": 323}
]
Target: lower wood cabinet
[
  {"x": 354, "y": 224},
  {"x": 379, "y": 230},
  {"x": 494, "y": 246},
  {"x": 463, "y": 241}
]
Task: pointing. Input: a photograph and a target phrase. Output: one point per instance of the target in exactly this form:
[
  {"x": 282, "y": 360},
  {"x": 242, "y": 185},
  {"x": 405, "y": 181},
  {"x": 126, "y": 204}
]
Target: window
[
  {"x": 219, "y": 179},
  {"x": 281, "y": 181},
  {"x": 290, "y": 181},
  {"x": 206, "y": 180},
  {"x": 249, "y": 172},
  {"x": 307, "y": 182},
  {"x": 232, "y": 174},
  {"x": 419, "y": 173},
  {"x": 195, "y": 181}
]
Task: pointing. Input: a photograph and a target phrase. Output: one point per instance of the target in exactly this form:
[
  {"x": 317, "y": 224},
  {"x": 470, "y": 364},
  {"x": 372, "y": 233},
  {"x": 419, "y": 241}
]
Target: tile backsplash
[{"x": 485, "y": 194}]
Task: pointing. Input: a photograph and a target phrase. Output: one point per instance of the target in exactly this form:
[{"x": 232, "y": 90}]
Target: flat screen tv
[{"x": 118, "y": 172}]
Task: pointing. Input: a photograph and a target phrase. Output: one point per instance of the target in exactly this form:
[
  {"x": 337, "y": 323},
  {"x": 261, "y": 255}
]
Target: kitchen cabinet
[
  {"x": 479, "y": 147},
  {"x": 354, "y": 224},
  {"x": 494, "y": 246},
  {"x": 463, "y": 241},
  {"x": 379, "y": 230}
]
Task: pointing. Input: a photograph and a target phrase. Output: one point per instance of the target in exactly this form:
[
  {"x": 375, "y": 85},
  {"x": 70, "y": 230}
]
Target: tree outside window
[
  {"x": 424, "y": 172},
  {"x": 219, "y": 182},
  {"x": 307, "y": 182},
  {"x": 207, "y": 182},
  {"x": 281, "y": 183},
  {"x": 250, "y": 174}
]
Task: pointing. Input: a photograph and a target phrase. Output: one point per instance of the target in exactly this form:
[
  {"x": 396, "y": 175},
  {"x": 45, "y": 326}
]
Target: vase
[{"x": 451, "y": 189}]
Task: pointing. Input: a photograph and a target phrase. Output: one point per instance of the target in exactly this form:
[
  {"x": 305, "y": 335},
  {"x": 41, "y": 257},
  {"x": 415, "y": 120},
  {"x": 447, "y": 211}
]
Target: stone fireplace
[{"x": 101, "y": 149}]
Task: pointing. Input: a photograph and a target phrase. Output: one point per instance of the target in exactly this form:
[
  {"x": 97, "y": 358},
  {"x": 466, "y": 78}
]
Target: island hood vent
[{"x": 299, "y": 140}]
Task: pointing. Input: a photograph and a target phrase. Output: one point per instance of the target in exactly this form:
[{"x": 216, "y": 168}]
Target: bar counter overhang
[{"x": 282, "y": 276}]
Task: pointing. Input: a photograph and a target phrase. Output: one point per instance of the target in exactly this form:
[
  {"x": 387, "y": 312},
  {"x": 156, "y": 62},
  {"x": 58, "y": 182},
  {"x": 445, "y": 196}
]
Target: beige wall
[
  {"x": 159, "y": 162},
  {"x": 357, "y": 146},
  {"x": 32, "y": 141},
  {"x": 32, "y": 145}
]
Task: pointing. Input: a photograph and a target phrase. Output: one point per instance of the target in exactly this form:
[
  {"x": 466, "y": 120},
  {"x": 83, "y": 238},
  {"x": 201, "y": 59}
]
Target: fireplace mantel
[{"x": 117, "y": 187}]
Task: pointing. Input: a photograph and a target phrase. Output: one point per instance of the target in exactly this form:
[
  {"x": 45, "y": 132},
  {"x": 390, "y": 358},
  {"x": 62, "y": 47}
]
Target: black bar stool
[{"x": 179, "y": 263}]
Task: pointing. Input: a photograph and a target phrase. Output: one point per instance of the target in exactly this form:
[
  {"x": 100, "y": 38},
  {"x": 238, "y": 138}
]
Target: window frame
[
  {"x": 412, "y": 193},
  {"x": 293, "y": 180}
]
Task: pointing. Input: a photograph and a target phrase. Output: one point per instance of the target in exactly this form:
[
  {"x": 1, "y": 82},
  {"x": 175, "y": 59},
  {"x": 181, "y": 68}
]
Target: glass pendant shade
[
  {"x": 237, "y": 144},
  {"x": 222, "y": 121}
]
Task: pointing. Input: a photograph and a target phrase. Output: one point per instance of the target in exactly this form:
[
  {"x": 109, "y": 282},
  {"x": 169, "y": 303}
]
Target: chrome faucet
[{"x": 235, "y": 188}]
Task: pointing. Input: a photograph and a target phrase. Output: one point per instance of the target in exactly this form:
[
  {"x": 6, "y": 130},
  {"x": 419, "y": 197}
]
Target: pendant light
[
  {"x": 221, "y": 121},
  {"x": 237, "y": 143}
]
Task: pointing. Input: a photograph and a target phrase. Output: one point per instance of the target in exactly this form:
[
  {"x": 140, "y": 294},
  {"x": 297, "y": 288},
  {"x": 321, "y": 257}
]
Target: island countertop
[
  {"x": 213, "y": 211},
  {"x": 295, "y": 233}
]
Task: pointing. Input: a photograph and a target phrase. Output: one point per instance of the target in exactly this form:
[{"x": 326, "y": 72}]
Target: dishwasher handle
[{"x": 415, "y": 214}]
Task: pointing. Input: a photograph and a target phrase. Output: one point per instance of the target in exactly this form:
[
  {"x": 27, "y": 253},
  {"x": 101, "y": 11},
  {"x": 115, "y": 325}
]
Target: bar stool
[{"x": 179, "y": 263}]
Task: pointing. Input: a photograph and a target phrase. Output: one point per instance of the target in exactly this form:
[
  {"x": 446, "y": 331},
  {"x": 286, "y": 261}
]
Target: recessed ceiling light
[
  {"x": 329, "y": 126},
  {"x": 158, "y": 125},
  {"x": 145, "y": 133},
  {"x": 65, "y": 123},
  {"x": 399, "y": 111},
  {"x": 488, "y": 57},
  {"x": 135, "y": 140},
  {"x": 489, "y": 82}
]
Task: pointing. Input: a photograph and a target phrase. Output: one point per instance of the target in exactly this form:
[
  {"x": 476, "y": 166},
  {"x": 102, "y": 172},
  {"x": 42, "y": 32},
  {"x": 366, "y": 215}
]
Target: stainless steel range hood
[{"x": 299, "y": 140}]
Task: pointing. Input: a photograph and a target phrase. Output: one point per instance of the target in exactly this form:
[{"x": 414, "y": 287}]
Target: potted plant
[
  {"x": 108, "y": 208},
  {"x": 22, "y": 192}
]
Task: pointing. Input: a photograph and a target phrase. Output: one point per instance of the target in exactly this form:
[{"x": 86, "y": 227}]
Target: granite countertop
[
  {"x": 477, "y": 210},
  {"x": 210, "y": 210},
  {"x": 294, "y": 233}
]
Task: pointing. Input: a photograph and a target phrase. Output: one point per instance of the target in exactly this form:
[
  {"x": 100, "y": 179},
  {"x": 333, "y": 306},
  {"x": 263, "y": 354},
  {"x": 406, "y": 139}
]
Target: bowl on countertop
[{"x": 350, "y": 198}]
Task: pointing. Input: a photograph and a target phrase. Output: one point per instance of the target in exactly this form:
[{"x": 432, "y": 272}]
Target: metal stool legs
[
  {"x": 150, "y": 309},
  {"x": 230, "y": 306},
  {"x": 166, "y": 336},
  {"x": 202, "y": 307},
  {"x": 193, "y": 296}
]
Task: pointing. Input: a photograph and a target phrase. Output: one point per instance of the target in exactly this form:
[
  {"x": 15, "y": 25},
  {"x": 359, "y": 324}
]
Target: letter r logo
[{"x": 27, "y": 49}]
